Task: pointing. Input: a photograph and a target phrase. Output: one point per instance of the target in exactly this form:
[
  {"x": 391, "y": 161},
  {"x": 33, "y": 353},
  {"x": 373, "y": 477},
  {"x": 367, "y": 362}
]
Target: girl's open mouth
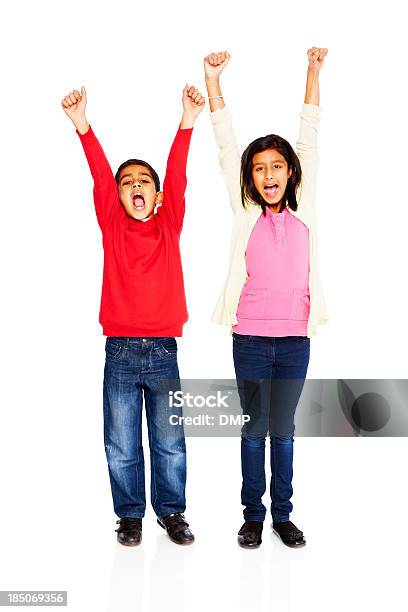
[
  {"x": 271, "y": 190},
  {"x": 138, "y": 201}
]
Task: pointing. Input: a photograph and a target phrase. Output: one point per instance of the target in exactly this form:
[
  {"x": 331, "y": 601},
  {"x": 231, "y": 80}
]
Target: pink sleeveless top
[{"x": 275, "y": 297}]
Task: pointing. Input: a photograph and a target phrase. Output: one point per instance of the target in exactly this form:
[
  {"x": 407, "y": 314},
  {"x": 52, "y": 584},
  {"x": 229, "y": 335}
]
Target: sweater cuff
[
  {"x": 311, "y": 109},
  {"x": 219, "y": 115},
  {"x": 87, "y": 133}
]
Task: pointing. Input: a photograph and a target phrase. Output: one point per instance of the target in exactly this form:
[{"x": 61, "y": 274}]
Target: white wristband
[{"x": 213, "y": 97}]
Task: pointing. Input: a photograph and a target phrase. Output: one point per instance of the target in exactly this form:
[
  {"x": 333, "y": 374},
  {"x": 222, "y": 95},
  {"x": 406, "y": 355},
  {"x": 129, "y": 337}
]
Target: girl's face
[{"x": 270, "y": 174}]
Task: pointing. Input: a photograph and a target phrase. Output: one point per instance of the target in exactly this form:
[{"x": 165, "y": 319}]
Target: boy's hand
[
  {"x": 193, "y": 104},
  {"x": 74, "y": 105},
  {"x": 215, "y": 63},
  {"x": 316, "y": 57}
]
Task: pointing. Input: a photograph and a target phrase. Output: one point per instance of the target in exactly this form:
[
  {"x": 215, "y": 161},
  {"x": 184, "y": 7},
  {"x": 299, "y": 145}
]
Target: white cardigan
[{"x": 246, "y": 218}]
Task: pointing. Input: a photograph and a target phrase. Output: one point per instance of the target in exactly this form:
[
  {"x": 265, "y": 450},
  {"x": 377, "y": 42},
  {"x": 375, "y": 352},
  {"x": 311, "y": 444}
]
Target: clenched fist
[
  {"x": 193, "y": 101},
  {"x": 193, "y": 104},
  {"x": 74, "y": 105},
  {"x": 215, "y": 63},
  {"x": 316, "y": 56}
]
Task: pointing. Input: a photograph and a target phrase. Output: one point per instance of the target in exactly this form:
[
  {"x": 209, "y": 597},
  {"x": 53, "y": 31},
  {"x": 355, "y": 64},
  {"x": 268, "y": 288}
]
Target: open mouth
[
  {"x": 271, "y": 190},
  {"x": 138, "y": 201}
]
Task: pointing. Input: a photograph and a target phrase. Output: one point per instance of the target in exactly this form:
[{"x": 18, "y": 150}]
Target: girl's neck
[{"x": 276, "y": 208}]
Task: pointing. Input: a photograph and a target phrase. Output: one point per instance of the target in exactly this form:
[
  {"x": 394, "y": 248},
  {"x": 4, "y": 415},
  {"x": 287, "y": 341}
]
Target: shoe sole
[
  {"x": 175, "y": 541},
  {"x": 130, "y": 543},
  {"x": 300, "y": 545},
  {"x": 249, "y": 546}
]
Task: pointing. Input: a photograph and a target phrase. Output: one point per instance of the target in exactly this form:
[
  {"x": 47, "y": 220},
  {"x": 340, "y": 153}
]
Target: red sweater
[{"x": 143, "y": 287}]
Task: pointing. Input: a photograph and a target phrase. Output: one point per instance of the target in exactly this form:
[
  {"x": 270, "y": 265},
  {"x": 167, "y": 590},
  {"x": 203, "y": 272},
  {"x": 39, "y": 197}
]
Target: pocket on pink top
[
  {"x": 252, "y": 303},
  {"x": 300, "y": 306}
]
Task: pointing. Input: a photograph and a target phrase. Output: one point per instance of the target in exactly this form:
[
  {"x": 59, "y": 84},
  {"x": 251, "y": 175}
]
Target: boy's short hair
[{"x": 139, "y": 162}]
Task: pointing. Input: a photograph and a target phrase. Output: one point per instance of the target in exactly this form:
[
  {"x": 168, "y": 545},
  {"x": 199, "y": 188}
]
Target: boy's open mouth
[
  {"x": 138, "y": 201},
  {"x": 271, "y": 190}
]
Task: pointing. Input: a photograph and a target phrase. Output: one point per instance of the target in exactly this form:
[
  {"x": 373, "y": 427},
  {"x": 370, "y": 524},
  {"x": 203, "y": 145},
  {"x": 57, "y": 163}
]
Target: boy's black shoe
[
  {"x": 289, "y": 534},
  {"x": 129, "y": 531},
  {"x": 177, "y": 528},
  {"x": 250, "y": 534}
]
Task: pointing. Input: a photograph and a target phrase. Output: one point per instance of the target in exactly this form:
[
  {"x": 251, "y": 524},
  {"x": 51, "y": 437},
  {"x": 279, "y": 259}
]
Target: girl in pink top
[{"x": 271, "y": 348}]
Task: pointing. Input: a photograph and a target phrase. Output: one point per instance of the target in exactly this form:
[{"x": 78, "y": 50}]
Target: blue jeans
[
  {"x": 137, "y": 368},
  {"x": 270, "y": 373}
]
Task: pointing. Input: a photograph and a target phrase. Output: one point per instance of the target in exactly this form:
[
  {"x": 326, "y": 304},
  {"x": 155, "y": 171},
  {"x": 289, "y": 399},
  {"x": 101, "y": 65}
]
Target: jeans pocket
[
  {"x": 113, "y": 349},
  {"x": 241, "y": 338},
  {"x": 167, "y": 348}
]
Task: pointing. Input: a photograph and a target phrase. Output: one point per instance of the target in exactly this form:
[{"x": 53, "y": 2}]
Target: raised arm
[
  {"x": 175, "y": 181},
  {"x": 229, "y": 156},
  {"x": 307, "y": 143},
  {"x": 106, "y": 198}
]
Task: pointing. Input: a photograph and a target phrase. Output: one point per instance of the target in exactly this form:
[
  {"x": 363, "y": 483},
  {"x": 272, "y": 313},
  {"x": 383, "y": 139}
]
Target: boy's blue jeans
[
  {"x": 137, "y": 368},
  {"x": 270, "y": 373}
]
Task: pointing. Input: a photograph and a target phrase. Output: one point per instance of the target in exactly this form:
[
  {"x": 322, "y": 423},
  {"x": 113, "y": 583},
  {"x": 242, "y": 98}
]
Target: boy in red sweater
[{"x": 143, "y": 308}]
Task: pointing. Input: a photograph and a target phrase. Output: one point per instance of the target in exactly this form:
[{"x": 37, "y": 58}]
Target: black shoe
[
  {"x": 129, "y": 531},
  {"x": 177, "y": 528},
  {"x": 289, "y": 534},
  {"x": 249, "y": 536}
]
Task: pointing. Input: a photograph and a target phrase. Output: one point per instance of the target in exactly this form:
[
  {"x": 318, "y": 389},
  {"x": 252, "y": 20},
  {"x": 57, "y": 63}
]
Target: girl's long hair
[{"x": 248, "y": 189}]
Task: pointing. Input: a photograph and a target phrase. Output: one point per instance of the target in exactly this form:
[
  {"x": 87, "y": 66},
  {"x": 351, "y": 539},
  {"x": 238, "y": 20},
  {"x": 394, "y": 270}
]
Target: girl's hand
[
  {"x": 215, "y": 63},
  {"x": 74, "y": 105},
  {"x": 316, "y": 56},
  {"x": 193, "y": 103}
]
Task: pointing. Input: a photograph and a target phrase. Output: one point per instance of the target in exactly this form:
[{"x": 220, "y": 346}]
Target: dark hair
[
  {"x": 248, "y": 189},
  {"x": 139, "y": 162}
]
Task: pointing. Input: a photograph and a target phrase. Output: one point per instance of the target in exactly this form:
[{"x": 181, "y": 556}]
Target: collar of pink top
[{"x": 277, "y": 217}]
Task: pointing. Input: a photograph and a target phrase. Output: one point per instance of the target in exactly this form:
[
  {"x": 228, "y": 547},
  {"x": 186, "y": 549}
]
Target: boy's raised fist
[
  {"x": 74, "y": 105},
  {"x": 215, "y": 63},
  {"x": 193, "y": 101}
]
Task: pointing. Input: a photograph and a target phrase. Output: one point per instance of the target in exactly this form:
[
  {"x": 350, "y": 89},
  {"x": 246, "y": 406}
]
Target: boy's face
[{"x": 137, "y": 191}]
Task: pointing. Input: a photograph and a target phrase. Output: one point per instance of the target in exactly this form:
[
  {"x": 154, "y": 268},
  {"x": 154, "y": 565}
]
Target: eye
[
  {"x": 259, "y": 168},
  {"x": 145, "y": 181},
  {"x": 277, "y": 166},
  {"x": 126, "y": 182}
]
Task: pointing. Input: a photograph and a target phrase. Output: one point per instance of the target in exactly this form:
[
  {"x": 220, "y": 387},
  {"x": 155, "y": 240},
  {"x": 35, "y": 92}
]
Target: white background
[{"x": 56, "y": 518}]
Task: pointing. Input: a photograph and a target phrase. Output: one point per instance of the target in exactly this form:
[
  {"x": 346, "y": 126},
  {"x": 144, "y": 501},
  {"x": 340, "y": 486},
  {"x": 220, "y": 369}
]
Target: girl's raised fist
[
  {"x": 215, "y": 63},
  {"x": 316, "y": 56}
]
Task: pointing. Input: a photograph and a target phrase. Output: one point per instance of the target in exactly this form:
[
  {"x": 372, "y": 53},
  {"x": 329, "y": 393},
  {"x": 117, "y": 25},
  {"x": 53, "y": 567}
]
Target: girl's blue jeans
[{"x": 270, "y": 373}]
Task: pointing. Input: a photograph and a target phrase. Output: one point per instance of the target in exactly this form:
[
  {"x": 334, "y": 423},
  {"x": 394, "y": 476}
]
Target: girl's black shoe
[
  {"x": 289, "y": 534},
  {"x": 249, "y": 536}
]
